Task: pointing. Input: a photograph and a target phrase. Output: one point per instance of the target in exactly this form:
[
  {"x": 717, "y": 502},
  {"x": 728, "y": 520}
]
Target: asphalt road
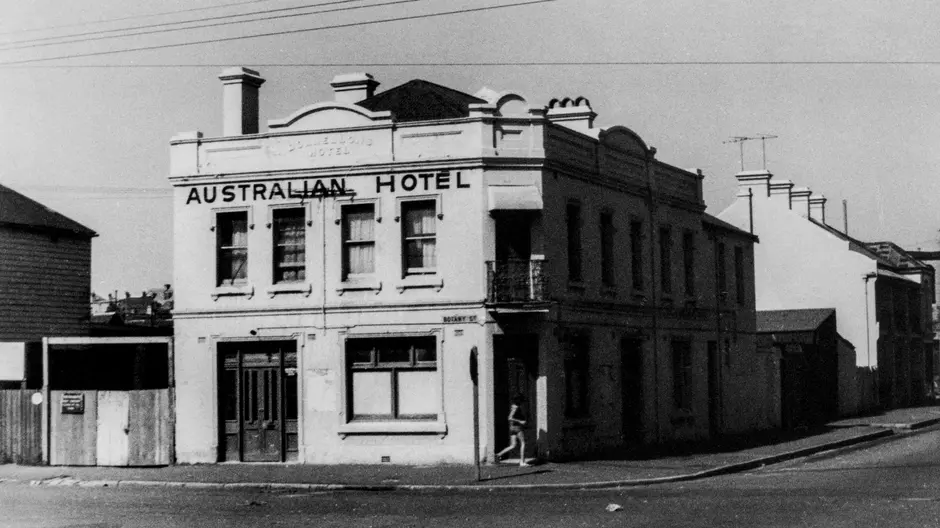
[{"x": 894, "y": 483}]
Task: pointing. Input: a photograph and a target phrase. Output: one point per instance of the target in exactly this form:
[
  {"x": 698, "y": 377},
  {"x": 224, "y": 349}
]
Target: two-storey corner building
[
  {"x": 334, "y": 272},
  {"x": 879, "y": 292}
]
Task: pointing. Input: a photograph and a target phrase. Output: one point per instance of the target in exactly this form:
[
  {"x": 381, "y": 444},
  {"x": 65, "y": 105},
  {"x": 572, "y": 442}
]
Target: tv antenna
[{"x": 763, "y": 145}]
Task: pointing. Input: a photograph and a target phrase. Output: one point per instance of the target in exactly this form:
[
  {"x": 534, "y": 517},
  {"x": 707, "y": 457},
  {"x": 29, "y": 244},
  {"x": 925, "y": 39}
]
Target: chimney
[
  {"x": 817, "y": 207},
  {"x": 799, "y": 200},
  {"x": 755, "y": 181},
  {"x": 353, "y": 87},
  {"x": 780, "y": 191},
  {"x": 575, "y": 113},
  {"x": 240, "y": 101}
]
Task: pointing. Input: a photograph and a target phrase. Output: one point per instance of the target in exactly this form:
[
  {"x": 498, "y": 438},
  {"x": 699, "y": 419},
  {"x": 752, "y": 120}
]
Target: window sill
[
  {"x": 359, "y": 284},
  {"x": 305, "y": 288},
  {"x": 394, "y": 427},
  {"x": 420, "y": 281},
  {"x": 245, "y": 290}
]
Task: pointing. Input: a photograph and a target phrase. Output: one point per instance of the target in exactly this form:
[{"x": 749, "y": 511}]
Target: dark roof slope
[
  {"x": 420, "y": 100},
  {"x": 715, "y": 222},
  {"x": 18, "y": 210},
  {"x": 808, "y": 320}
]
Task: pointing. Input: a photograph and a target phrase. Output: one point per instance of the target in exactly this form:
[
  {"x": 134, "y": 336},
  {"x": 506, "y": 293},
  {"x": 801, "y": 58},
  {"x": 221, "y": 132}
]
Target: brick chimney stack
[
  {"x": 240, "y": 101},
  {"x": 780, "y": 191}
]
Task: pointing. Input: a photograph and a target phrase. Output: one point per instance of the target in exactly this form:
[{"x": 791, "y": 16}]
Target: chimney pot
[
  {"x": 755, "y": 181},
  {"x": 353, "y": 87},
  {"x": 799, "y": 200},
  {"x": 240, "y": 101},
  {"x": 817, "y": 207},
  {"x": 780, "y": 190}
]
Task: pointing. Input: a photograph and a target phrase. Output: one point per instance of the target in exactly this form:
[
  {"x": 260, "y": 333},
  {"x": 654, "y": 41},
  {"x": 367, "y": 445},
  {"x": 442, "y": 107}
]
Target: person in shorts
[{"x": 517, "y": 426}]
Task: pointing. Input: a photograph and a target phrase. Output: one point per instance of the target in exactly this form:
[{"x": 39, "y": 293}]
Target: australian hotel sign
[{"x": 321, "y": 187}]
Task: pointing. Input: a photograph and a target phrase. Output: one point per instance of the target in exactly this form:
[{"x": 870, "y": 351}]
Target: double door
[{"x": 259, "y": 401}]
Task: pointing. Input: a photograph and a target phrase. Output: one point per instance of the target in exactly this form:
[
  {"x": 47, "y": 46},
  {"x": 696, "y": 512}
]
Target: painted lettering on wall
[
  {"x": 264, "y": 191},
  {"x": 424, "y": 181},
  {"x": 321, "y": 146},
  {"x": 391, "y": 183}
]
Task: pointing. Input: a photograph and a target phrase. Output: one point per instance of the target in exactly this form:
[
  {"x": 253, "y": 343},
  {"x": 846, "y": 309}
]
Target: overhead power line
[
  {"x": 131, "y": 17},
  {"x": 479, "y": 64},
  {"x": 277, "y": 33},
  {"x": 167, "y": 26}
]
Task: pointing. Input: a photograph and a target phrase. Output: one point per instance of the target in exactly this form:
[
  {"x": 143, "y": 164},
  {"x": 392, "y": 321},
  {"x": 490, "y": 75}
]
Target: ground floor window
[
  {"x": 393, "y": 378},
  {"x": 576, "y": 347}
]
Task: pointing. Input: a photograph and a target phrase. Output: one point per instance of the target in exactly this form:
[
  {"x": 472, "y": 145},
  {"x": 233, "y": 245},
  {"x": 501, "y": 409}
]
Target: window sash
[
  {"x": 573, "y": 226},
  {"x": 289, "y": 245},
  {"x": 636, "y": 254},
  {"x": 607, "y": 249},
  {"x": 688, "y": 264},
  {"x": 665, "y": 260},
  {"x": 358, "y": 240},
  {"x": 410, "y": 396},
  {"x": 419, "y": 237},
  {"x": 231, "y": 248}
]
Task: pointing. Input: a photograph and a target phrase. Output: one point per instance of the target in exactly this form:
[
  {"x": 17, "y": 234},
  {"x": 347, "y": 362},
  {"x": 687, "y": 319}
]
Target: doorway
[
  {"x": 516, "y": 367},
  {"x": 631, "y": 387},
  {"x": 258, "y": 401},
  {"x": 714, "y": 389}
]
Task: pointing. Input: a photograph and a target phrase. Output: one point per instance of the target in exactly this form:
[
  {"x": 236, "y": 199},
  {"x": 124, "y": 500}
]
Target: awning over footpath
[{"x": 514, "y": 198}]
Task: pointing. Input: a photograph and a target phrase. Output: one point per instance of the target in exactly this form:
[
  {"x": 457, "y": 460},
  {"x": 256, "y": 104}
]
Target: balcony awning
[{"x": 514, "y": 198}]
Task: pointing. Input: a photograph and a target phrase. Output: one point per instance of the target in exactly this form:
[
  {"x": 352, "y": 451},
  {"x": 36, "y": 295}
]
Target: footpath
[{"x": 675, "y": 464}]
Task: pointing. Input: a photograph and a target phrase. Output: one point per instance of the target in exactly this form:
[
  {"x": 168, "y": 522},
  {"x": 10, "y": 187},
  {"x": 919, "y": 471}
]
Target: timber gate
[{"x": 109, "y": 401}]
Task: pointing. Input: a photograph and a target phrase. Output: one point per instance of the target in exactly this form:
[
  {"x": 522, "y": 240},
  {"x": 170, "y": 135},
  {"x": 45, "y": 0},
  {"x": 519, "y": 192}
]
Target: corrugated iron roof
[
  {"x": 19, "y": 210},
  {"x": 805, "y": 320},
  {"x": 714, "y": 221}
]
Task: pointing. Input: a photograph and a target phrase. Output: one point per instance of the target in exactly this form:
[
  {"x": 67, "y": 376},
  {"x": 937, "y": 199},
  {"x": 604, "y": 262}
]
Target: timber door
[
  {"x": 258, "y": 400},
  {"x": 631, "y": 387}
]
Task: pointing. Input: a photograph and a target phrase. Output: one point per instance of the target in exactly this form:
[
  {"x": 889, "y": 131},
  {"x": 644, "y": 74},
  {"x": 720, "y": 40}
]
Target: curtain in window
[
  {"x": 420, "y": 240},
  {"x": 360, "y": 240}
]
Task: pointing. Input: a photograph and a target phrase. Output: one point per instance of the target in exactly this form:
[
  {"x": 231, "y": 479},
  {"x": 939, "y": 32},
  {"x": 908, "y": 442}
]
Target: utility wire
[
  {"x": 40, "y": 42},
  {"x": 278, "y": 33},
  {"x": 151, "y": 15},
  {"x": 481, "y": 64}
]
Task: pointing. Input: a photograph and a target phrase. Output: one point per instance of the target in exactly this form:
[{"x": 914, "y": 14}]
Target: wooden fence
[{"x": 20, "y": 428}]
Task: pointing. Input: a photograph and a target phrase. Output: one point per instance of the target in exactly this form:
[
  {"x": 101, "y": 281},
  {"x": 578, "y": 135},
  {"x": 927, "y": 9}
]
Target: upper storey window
[
  {"x": 232, "y": 248},
  {"x": 358, "y": 240},
  {"x": 289, "y": 245},
  {"x": 419, "y": 236},
  {"x": 573, "y": 221},
  {"x": 607, "y": 248}
]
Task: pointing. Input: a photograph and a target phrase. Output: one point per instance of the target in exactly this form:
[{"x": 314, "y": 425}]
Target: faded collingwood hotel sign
[{"x": 257, "y": 192}]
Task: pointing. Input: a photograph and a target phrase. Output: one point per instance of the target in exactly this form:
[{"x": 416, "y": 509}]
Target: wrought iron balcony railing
[{"x": 516, "y": 281}]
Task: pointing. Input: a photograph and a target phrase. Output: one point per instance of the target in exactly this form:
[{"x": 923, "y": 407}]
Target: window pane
[
  {"x": 231, "y": 247},
  {"x": 360, "y": 258},
  {"x": 418, "y": 218},
  {"x": 421, "y": 253},
  {"x": 395, "y": 352},
  {"x": 359, "y": 352},
  {"x": 289, "y": 245},
  {"x": 418, "y": 393},
  {"x": 359, "y": 222},
  {"x": 372, "y": 393},
  {"x": 425, "y": 352}
]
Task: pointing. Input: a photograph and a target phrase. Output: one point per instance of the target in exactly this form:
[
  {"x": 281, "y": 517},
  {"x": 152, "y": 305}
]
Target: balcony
[{"x": 517, "y": 284}]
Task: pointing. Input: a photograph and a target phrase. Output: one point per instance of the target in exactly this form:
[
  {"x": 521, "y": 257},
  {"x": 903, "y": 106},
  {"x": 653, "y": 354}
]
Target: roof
[
  {"x": 19, "y": 210},
  {"x": 898, "y": 257},
  {"x": 854, "y": 244},
  {"x": 713, "y": 221},
  {"x": 778, "y": 321},
  {"x": 420, "y": 100}
]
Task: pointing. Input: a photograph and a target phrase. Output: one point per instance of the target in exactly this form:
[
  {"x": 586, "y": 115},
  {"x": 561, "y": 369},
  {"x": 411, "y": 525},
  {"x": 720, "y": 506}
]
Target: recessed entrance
[
  {"x": 516, "y": 368},
  {"x": 258, "y": 401}
]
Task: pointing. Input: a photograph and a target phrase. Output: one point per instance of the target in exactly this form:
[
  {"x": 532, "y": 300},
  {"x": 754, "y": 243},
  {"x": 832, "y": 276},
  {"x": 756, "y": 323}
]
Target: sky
[{"x": 849, "y": 89}]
